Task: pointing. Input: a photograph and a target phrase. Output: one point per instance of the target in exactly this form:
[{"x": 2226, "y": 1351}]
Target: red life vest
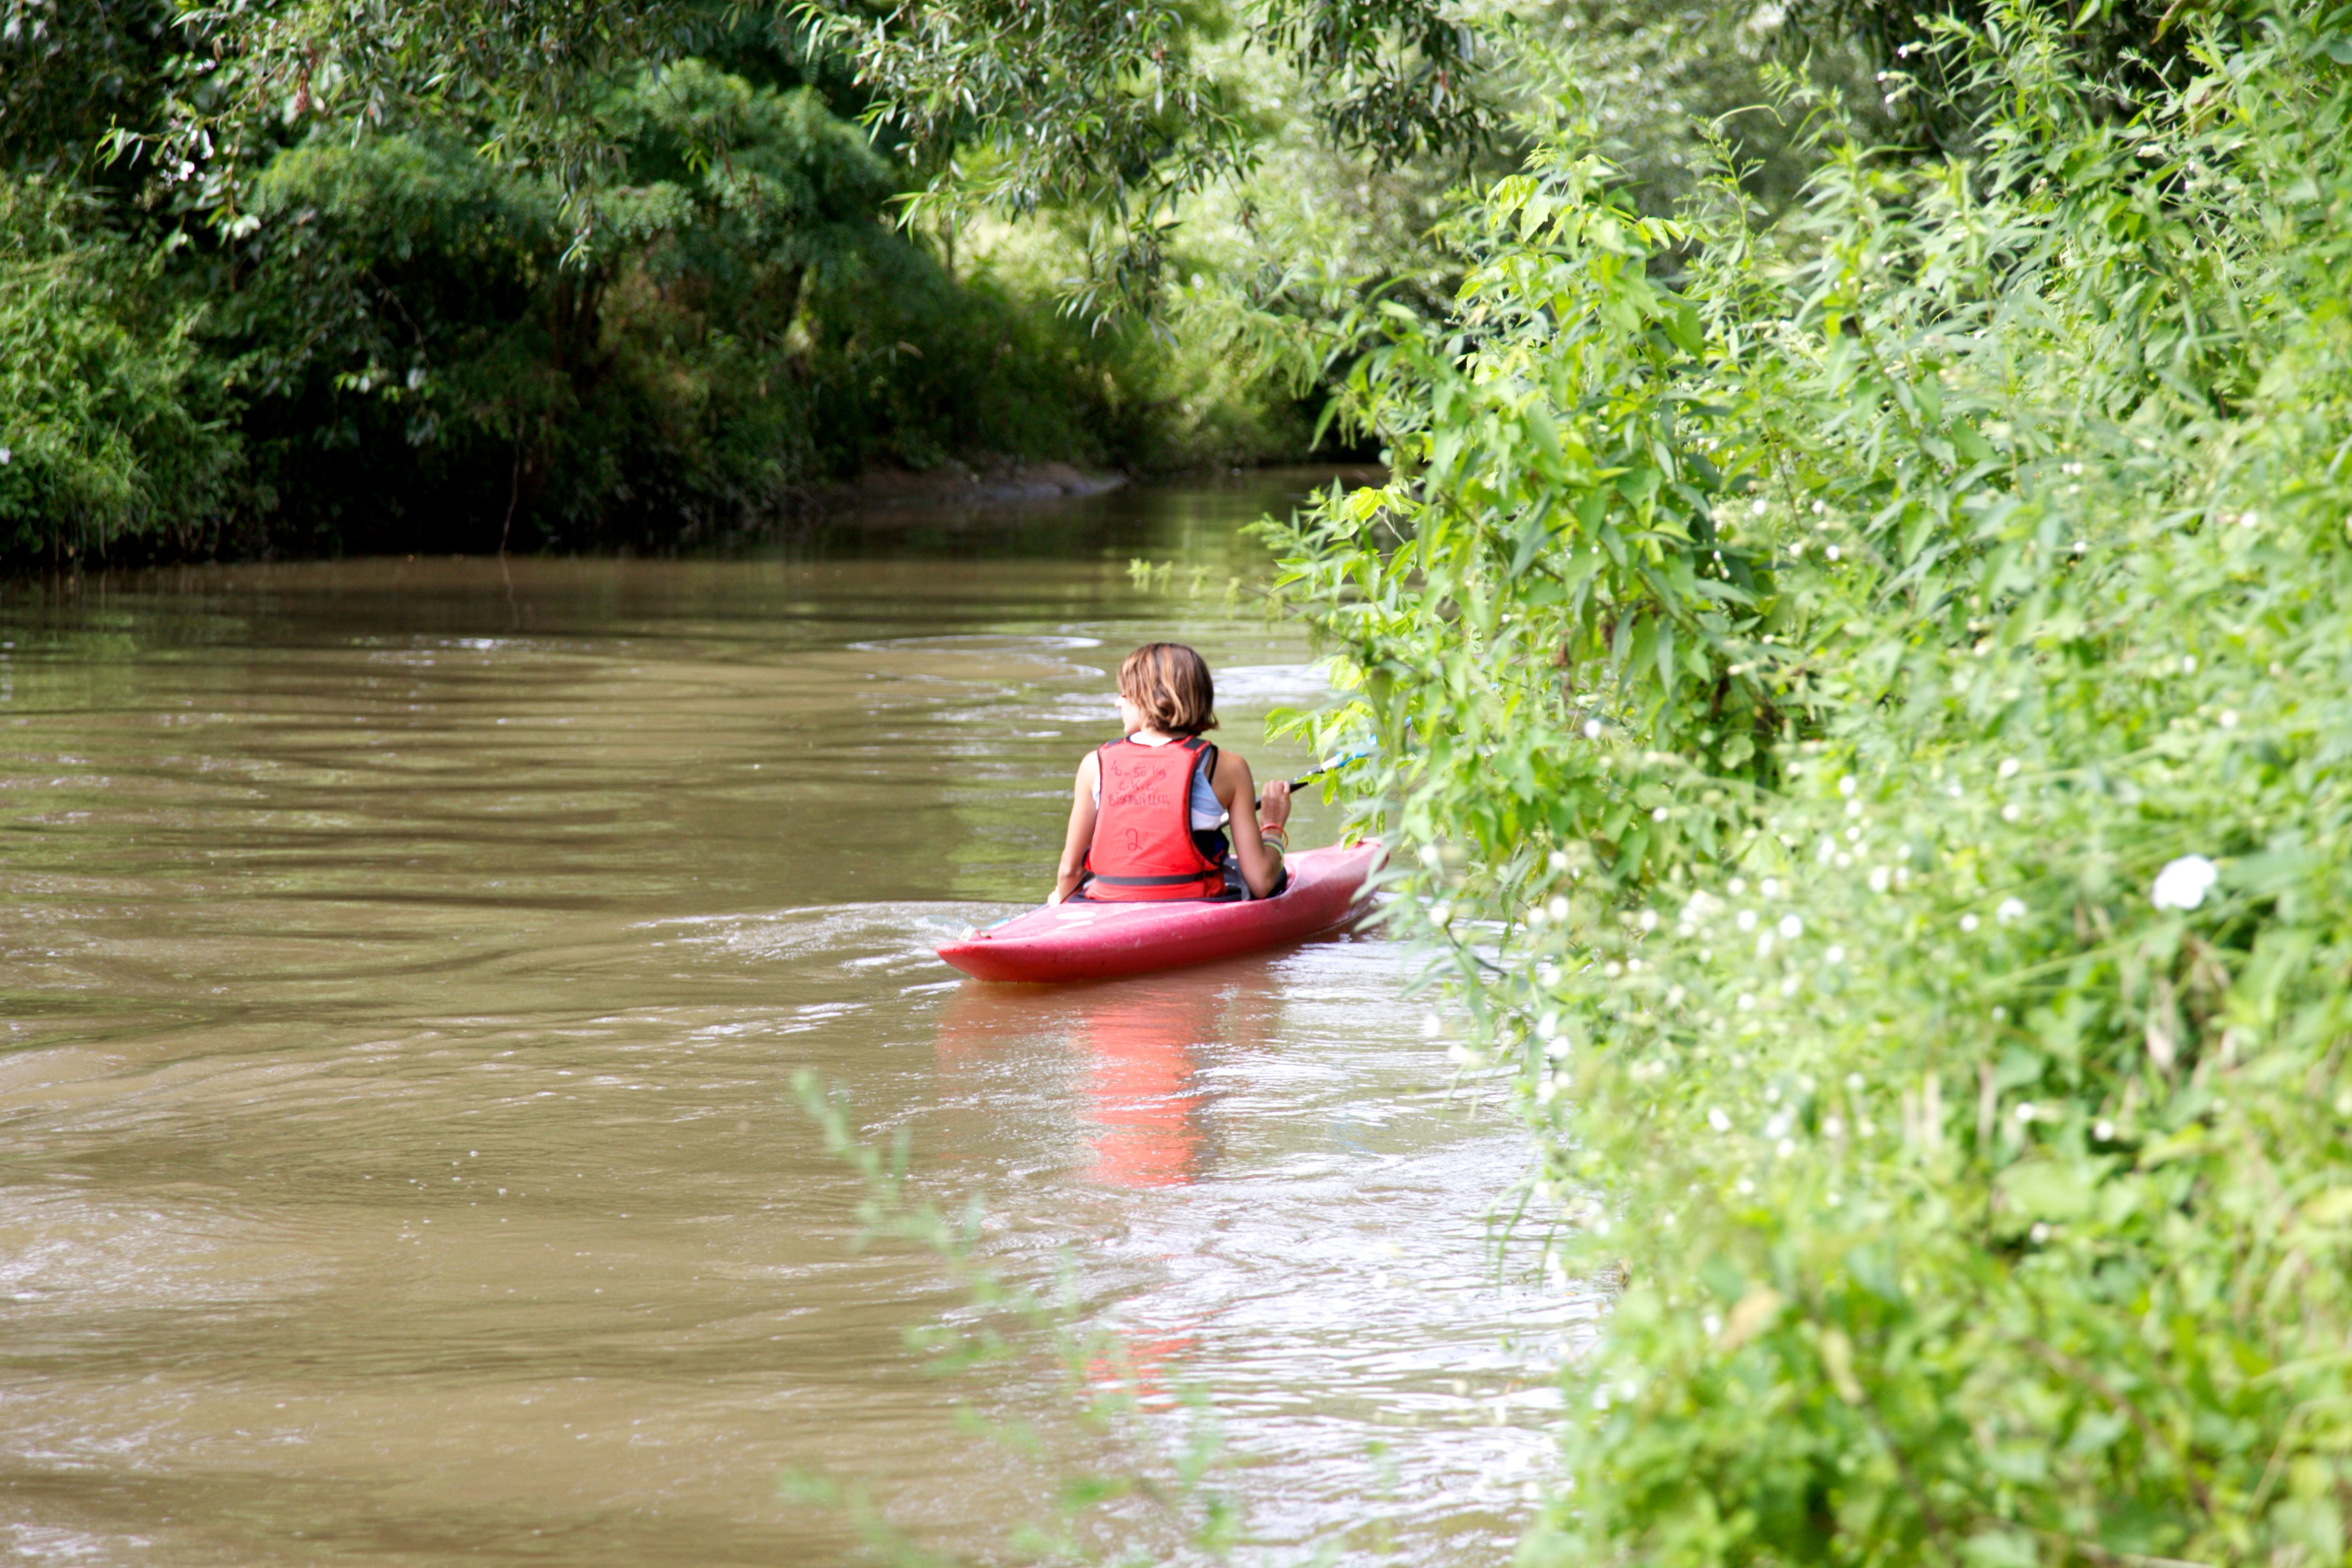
[{"x": 1143, "y": 845}]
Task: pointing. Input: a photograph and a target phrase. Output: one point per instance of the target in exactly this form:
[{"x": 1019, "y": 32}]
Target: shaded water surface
[{"x": 404, "y": 965}]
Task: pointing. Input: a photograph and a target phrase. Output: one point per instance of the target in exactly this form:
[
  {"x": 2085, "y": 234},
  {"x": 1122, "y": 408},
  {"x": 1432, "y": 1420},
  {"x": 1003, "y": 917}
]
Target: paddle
[{"x": 1332, "y": 767}]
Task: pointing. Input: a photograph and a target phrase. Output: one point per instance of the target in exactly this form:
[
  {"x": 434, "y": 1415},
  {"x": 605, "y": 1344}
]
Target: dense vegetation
[
  {"x": 1868, "y": 691},
  {"x": 330, "y": 321}
]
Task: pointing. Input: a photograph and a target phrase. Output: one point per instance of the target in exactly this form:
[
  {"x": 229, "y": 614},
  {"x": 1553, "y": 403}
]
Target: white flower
[
  {"x": 2012, "y": 812},
  {"x": 1747, "y": 920},
  {"x": 1879, "y": 877},
  {"x": 1848, "y": 785},
  {"x": 1592, "y": 729},
  {"x": 1836, "y": 954},
  {"x": 1558, "y": 861},
  {"x": 2009, "y": 766},
  {"x": 1557, "y": 907},
  {"x": 1769, "y": 887},
  {"x": 2183, "y": 883},
  {"x": 2010, "y": 909},
  {"x": 7, "y": 457},
  {"x": 1792, "y": 927},
  {"x": 1658, "y": 814},
  {"x": 1970, "y": 922},
  {"x": 1719, "y": 1120}
]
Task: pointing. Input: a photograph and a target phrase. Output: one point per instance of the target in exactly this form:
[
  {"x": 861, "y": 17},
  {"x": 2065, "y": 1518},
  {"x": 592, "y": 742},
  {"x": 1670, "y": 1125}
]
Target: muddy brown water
[{"x": 405, "y": 967}]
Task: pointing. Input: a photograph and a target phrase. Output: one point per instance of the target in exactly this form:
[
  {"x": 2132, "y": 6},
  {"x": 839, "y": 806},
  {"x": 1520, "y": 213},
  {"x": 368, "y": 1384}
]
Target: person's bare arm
[
  {"x": 1081, "y": 834},
  {"x": 1260, "y": 857}
]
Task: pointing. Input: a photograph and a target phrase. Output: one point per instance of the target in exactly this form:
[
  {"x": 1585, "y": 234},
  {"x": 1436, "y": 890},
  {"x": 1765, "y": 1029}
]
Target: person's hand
[
  {"x": 1274, "y": 804},
  {"x": 1055, "y": 897}
]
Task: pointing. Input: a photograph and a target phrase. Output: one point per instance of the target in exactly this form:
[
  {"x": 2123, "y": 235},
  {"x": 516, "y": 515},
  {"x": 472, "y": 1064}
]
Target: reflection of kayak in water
[
  {"x": 1138, "y": 1101},
  {"x": 1083, "y": 940}
]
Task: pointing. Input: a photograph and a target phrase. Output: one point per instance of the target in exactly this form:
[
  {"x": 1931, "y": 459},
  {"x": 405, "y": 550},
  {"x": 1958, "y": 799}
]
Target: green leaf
[{"x": 2049, "y": 1190}]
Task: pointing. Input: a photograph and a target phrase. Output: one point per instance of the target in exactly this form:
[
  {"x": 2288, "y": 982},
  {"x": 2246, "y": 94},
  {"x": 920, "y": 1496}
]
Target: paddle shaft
[{"x": 1311, "y": 775}]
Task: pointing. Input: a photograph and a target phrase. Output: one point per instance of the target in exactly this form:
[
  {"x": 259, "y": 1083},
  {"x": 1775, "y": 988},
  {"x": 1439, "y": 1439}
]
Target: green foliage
[
  {"x": 1665, "y": 85},
  {"x": 106, "y": 424},
  {"x": 1100, "y": 106},
  {"x": 1006, "y": 107},
  {"x": 433, "y": 354},
  {"x": 1820, "y": 666},
  {"x": 68, "y": 69},
  {"x": 408, "y": 299},
  {"x": 527, "y": 77}
]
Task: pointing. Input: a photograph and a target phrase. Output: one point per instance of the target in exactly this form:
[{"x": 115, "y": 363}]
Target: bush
[
  {"x": 425, "y": 338},
  {"x": 107, "y": 425},
  {"x": 1868, "y": 712}
]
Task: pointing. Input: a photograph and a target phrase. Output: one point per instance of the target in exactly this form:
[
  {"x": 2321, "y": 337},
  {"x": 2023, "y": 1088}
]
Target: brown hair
[{"x": 1171, "y": 684}]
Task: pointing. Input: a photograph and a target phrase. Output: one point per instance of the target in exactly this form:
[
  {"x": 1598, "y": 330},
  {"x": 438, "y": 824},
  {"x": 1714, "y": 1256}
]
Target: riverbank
[
  {"x": 1009, "y": 485},
  {"x": 1008, "y": 482},
  {"x": 992, "y": 498}
]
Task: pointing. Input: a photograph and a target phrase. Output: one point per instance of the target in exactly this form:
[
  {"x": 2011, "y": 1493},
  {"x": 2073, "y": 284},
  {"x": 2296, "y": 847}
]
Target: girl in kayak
[{"x": 1144, "y": 811}]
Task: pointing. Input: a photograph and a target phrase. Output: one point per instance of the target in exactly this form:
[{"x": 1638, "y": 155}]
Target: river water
[{"x": 405, "y": 965}]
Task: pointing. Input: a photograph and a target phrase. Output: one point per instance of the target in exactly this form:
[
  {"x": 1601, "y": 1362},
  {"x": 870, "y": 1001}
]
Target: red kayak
[{"x": 1082, "y": 940}]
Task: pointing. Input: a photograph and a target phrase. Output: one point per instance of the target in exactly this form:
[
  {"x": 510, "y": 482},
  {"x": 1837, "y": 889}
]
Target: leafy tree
[
  {"x": 402, "y": 284},
  {"x": 1009, "y": 107}
]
